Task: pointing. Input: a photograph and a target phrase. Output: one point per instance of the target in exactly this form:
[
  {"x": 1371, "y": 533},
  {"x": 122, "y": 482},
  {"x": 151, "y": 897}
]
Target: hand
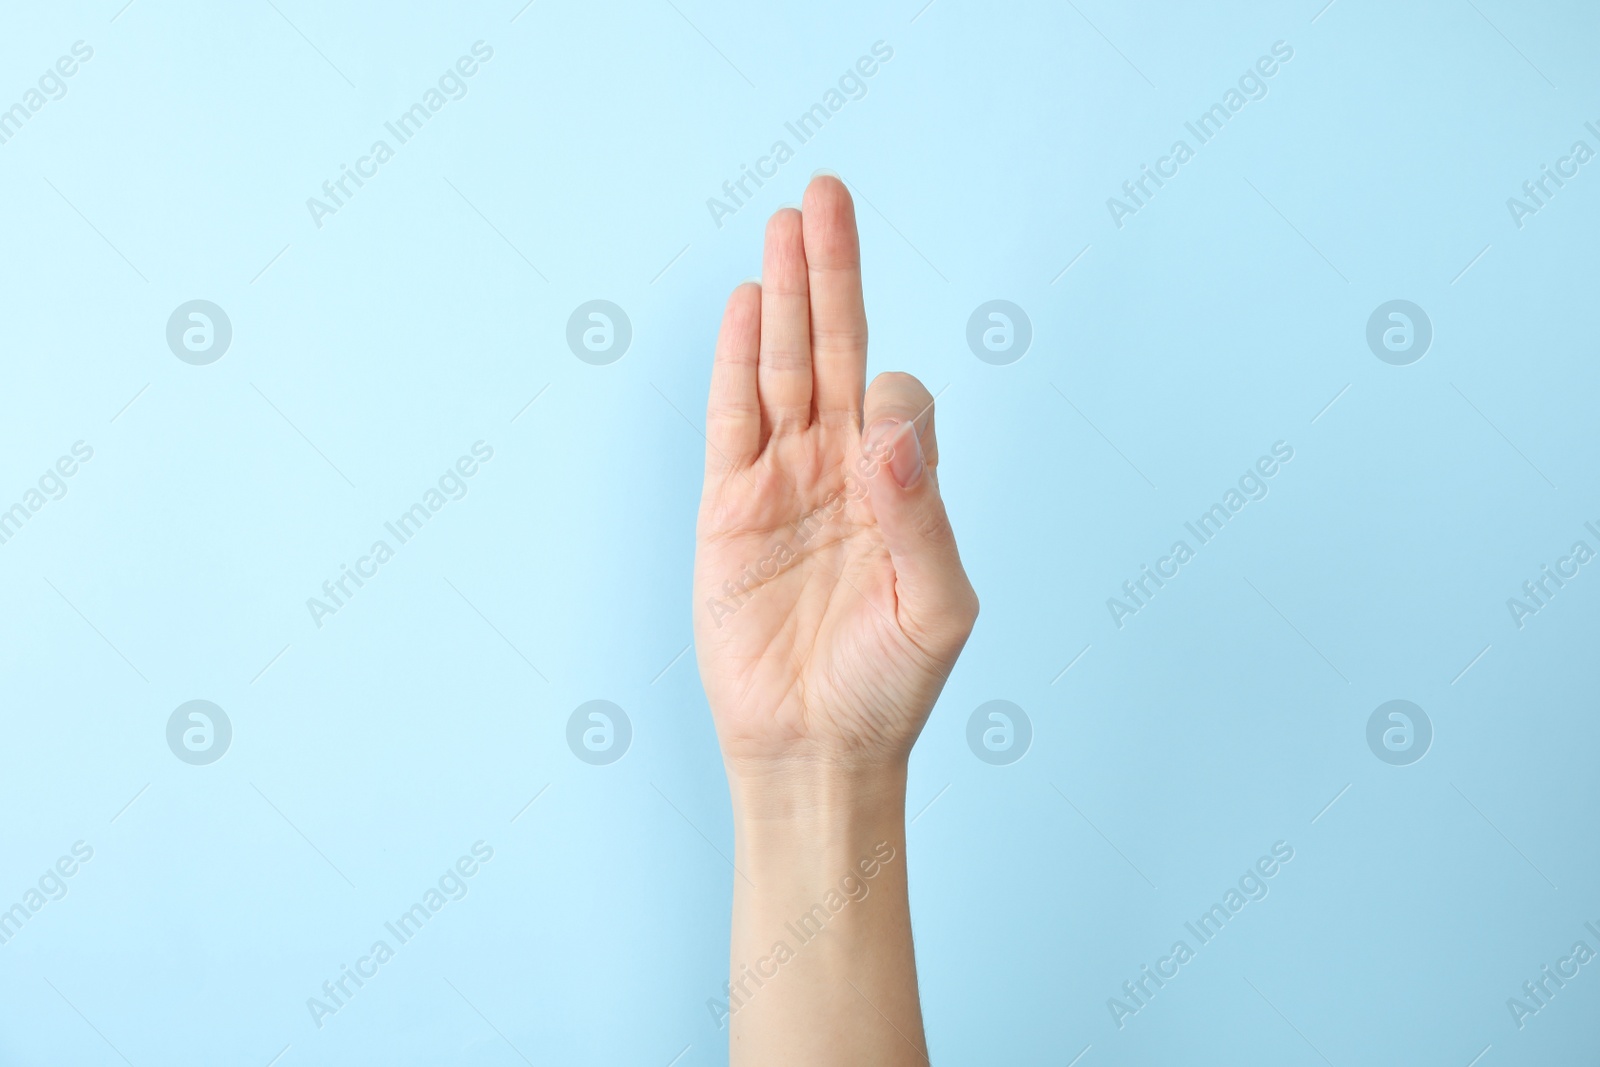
[{"x": 830, "y": 601}]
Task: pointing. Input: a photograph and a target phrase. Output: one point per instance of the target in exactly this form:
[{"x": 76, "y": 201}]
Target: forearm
[
  {"x": 826, "y": 623},
  {"x": 822, "y": 968}
]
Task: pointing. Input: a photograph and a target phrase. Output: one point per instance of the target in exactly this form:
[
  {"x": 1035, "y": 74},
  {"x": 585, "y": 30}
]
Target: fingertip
[
  {"x": 827, "y": 193},
  {"x": 885, "y": 379},
  {"x": 902, "y": 397},
  {"x": 825, "y": 186},
  {"x": 897, "y": 390},
  {"x": 787, "y": 215},
  {"x": 784, "y": 256},
  {"x": 832, "y": 242},
  {"x": 743, "y": 311}
]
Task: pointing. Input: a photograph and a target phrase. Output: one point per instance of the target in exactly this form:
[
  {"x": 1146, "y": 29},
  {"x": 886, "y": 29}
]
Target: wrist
[
  {"x": 806, "y": 824},
  {"x": 815, "y": 795},
  {"x": 821, "y": 905},
  {"x": 817, "y": 834}
]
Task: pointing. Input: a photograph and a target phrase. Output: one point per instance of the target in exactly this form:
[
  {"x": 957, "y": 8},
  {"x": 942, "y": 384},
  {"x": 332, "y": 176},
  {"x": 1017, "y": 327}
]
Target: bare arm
[
  {"x": 822, "y": 965},
  {"x": 830, "y": 606}
]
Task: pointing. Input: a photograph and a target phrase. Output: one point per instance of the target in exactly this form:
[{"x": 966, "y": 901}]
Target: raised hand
[
  {"x": 830, "y": 606},
  {"x": 830, "y": 601}
]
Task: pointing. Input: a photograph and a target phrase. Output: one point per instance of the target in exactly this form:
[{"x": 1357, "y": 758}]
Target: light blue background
[{"x": 370, "y": 353}]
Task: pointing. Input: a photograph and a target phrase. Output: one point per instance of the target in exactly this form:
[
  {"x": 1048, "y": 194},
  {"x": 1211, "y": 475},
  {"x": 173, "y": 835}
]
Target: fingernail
[
  {"x": 898, "y": 446},
  {"x": 823, "y": 172},
  {"x": 905, "y": 462}
]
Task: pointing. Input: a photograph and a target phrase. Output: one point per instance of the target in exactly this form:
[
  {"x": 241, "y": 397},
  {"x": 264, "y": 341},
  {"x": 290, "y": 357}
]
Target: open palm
[{"x": 830, "y": 601}]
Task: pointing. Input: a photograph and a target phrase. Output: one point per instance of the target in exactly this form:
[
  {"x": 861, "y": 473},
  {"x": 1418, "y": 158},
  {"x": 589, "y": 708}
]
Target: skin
[{"x": 830, "y": 606}]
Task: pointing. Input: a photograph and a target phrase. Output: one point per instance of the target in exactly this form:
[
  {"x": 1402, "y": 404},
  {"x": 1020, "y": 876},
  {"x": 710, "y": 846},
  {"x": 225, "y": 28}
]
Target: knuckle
[
  {"x": 783, "y": 355},
  {"x": 900, "y": 395},
  {"x": 840, "y": 337}
]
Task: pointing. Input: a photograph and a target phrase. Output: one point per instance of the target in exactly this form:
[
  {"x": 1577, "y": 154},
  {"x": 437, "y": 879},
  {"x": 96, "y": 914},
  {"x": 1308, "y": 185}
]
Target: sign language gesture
[{"x": 830, "y": 601}]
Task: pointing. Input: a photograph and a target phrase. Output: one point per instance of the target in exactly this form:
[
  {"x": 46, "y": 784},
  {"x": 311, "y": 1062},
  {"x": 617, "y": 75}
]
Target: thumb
[{"x": 899, "y": 457}]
